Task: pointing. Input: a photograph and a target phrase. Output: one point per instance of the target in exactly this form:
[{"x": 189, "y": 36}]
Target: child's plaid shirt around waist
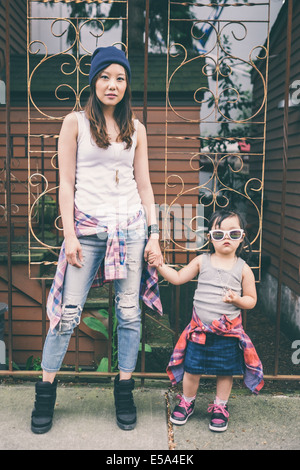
[
  {"x": 113, "y": 267},
  {"x": 196, "y": 332}
]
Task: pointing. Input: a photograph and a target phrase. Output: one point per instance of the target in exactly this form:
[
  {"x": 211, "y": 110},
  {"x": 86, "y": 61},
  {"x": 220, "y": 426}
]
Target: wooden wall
[
  {"x": 18, "y": 32},
  {"x": 274, "y": 155}
]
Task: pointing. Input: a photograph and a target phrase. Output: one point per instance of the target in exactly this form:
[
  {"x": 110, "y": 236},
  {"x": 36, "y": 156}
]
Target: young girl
[
  {"x": 214, "y": 342},
  {"x": 106, "y": 200}
]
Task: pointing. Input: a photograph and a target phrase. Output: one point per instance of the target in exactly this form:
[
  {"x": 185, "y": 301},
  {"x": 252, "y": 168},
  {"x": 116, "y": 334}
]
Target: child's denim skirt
[{"x": 220, "y": 355}]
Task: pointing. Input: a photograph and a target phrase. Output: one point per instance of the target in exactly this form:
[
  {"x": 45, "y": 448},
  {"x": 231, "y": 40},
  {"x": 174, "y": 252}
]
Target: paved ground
[
  {"x": 85, "y": 420},
  {"x": 265, "y": 422}
]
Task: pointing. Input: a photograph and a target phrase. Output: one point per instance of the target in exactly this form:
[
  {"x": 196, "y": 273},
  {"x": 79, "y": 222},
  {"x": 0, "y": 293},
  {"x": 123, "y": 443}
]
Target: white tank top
[{"x": 105, "y": 186}]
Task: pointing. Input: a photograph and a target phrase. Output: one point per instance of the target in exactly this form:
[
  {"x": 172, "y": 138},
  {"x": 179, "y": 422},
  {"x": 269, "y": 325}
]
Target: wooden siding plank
[{"x": 274, "y": 155}]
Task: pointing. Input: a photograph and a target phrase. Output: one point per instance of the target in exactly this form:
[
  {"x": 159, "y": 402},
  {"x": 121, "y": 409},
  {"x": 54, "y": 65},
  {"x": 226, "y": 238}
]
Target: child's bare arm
[{"x": 184, "y": 275}]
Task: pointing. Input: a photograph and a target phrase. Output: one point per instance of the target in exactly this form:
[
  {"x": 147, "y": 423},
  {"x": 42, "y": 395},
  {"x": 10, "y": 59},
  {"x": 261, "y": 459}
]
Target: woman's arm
[
  {"x": 142, "y": 177},
  {"x": 249, "y": 296},
  {"x": 67, "y": 148}
]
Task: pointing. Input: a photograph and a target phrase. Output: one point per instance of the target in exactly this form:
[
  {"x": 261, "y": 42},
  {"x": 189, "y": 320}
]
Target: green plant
[
  {"x": 47, "y": 213},
  {"x": 34, "y": 364},
  {"x": 97, "y": 325},
  {"x": 231, "y": 99},
  {"x": 14, "y": 365},
  {"x": 234, "y": 105}
]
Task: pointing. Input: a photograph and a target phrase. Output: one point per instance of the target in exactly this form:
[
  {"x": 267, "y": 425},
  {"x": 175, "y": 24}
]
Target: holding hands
[{"x": 154, "y": 259}]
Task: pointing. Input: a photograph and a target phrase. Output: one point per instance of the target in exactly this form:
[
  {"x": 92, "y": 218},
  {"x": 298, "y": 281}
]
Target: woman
[{"x": 105, "y": 189}]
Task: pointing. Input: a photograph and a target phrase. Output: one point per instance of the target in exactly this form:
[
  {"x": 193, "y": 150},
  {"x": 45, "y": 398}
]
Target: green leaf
[
  {"x": 96, "y": 325},
  {"x": 147, "y": 348},
  {"x": 103, "y": 312},
  {"x": 37, "y": 364},
  {"x": 15, "y": 366},
  {"x": 29, "y": 363},
  {"x": 103, "y": 366}
]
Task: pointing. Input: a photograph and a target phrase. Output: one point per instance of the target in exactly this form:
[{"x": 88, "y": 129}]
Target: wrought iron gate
[{"x": 229, "y": 159}]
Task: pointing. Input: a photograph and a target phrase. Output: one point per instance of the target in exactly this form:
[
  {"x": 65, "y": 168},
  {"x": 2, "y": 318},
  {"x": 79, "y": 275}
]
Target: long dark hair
[
  {"x": 217, "y": 218},
  {"x": 123, "y": 116}
]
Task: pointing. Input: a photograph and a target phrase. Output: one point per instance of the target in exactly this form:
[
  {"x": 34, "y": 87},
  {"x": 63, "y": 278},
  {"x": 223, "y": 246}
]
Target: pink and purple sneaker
[
  {"x": 182, "y": 411},
  {"x": 219, "y": 417}
]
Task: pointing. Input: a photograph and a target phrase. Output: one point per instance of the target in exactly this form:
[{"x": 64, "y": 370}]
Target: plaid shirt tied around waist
[
  {"x": 113, "y": 266},
  {"x": 196, "y": 332}
]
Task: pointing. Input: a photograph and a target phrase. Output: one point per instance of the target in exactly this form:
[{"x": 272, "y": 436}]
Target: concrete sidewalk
[
  {"x": 264, "y": 422},
  {"x": 85, "y": 420}
]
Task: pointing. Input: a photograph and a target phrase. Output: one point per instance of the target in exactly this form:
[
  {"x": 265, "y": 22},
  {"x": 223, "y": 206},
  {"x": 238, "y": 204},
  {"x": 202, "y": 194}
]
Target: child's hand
[
  {"x": 230, "y": 297},
  {"x": 153, "y": 259}
]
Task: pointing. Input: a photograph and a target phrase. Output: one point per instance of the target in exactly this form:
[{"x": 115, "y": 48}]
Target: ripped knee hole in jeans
[{"x": 70, "y": 317}]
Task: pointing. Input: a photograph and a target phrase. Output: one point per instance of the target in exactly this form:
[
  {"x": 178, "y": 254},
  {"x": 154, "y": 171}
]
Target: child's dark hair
[{"x": 217, "y": 218}]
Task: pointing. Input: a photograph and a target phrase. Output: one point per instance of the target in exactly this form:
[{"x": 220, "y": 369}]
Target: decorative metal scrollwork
[
  {"x": 67, "y": 84},
  {"x": 229, "y": 176}
]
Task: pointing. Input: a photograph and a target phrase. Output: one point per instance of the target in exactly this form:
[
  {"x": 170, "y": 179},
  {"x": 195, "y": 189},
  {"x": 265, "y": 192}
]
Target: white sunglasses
[{"x": 219, "y": 235}]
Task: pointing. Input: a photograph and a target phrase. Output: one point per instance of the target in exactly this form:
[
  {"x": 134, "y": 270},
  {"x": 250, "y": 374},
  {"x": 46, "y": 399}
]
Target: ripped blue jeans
[{"x": 77, "y": 284}]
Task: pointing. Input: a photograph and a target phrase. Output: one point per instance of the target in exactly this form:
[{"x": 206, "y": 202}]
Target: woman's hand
[
  {"x": 152, "y": 253},
  {"x": 73, "y": 251}
]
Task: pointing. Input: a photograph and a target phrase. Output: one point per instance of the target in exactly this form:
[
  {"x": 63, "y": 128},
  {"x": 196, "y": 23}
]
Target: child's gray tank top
[{"x": 212, "y": 284}]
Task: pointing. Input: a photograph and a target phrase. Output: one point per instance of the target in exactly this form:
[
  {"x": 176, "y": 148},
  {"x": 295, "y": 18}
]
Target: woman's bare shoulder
[
  {"x": 71, "y": 118},
  {"x": 70, "y": 125}
]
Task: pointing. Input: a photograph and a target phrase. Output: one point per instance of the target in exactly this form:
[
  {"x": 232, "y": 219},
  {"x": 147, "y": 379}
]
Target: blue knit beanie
[{"x": 104, "y": 56}]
